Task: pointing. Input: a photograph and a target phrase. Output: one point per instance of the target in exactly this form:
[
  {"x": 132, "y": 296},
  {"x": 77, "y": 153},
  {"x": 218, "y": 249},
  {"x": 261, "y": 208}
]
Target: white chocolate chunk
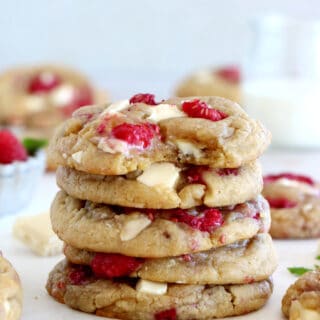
[
  {"x": 133, "y": 227},
  {"x": 77, "y": 156},
  {"x": 164, "y": 111},
  {"x": 160, "y": 174},
  {"x": 62, "y": 95},
  {"x": 298, "y": 312},
  {"x": 113, "y": 145},
  {"x": 36, "y": 233},
  {"x": 151, "y": 287},
  {"x": 35, "y": 103},
  {"x": 116, "y": 107},
  {"x": 188, "y": 148},
  {"x": 7, "y": 308}
]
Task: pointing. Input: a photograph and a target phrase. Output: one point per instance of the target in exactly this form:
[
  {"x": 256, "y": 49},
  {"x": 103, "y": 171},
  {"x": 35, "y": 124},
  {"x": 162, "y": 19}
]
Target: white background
[{"x": 129, "y": 46}]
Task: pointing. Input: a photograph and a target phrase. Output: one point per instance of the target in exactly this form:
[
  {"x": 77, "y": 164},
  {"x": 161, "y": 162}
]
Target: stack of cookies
[{"x": 160, "y": 210}]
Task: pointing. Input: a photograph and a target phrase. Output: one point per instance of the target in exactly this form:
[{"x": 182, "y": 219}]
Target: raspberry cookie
[
  {"x": 10, "y": 292},
  {"x": 245, "y": 261},
  {"x": 165, "y": 186},
  {"x": 155, "y": 233},
  {"x": 138, "y": 299},
  {"x": 302, "y": 299},
  {"x": 133, "y": 134},
  {"x": 42, "y": 96},
  {"x": 294, "y": 204},
  {"x": 224, "y": 82}
]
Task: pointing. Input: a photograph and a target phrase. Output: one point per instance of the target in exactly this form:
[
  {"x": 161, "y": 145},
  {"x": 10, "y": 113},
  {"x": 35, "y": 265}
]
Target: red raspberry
[
  {"x": 209, "y": 220},
  {"x": 228, "y": 171},
  {"x": 11, "y": 148},
  {"x": 43, "y": 82},
  {"x": 114, "y": 265},
  {"x": 170, "y": 314},
  {"x": 256, "y": 216},
  {"x": 82, "y": 97},
  {"x": 199, "y": 109},
  {"x": 79, "y": 275},
  {"x": 146, "y": 98},
  {"x": 136, "y": 134},
  {"x": 281, "y": 203},
  {"x": 290, "y": 176},
  {"x": 195, "y": 174},
  {"x": 230, "y": 74}
]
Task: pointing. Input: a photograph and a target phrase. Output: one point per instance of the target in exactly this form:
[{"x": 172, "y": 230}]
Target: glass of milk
[{"x": 282, "y": 80}]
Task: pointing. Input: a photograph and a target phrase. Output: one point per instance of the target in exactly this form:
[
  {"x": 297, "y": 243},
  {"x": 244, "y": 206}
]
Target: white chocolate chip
[
  {"x": 64, "y": 156},
  {"x": 62, "y": 95},
  {"x": 116, "y": 107},
  {"x": 113, "y": 145},
  {"x": 35, "y": 103},
  {"x": 133, "y": 227},
  {"x": 7, "y": 308},
  {"x": 298, "y": 312},
  {"x": 77, "y": 156},
  {"x": 164, "y": 111},
  {"x": 307, "y": 207},
  {"x": 151, "y": 287},
  {"x": 160, "y": 174},
  {"x": 188, "y": 148}
]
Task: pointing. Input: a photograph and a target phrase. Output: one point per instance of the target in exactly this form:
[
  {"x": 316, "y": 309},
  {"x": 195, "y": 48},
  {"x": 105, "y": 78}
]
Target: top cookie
[{"x": 131, "y": 135}]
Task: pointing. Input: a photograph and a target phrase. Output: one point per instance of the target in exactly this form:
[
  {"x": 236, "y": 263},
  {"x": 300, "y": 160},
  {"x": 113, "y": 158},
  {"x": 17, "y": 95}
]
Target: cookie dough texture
[
  {"x": 246, "y": 261},
  {"x": 228, "y": 143},
  {"x": 218, "y": 190},
  {"x": 121, "y": 300},
  {"x": 301, "y": 221},
  {"x": 10, "y": 292},
  {"x": 303, "y": 297},
  {"x": 99, "y": 228}
]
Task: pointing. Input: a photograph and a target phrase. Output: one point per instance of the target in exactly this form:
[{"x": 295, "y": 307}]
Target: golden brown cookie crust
[
  {"x": 98, "y": 228},
  {"x": 228, "y": 143},
  {"x": 121, "y": 300},
  {"x": 10, "y": 292},
  {"x": 217, "y": 190},
  {"x": 244, "y": 262}
]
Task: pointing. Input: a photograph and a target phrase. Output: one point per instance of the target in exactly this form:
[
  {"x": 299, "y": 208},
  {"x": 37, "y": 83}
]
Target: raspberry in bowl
[{"x": 21, "y": 166}]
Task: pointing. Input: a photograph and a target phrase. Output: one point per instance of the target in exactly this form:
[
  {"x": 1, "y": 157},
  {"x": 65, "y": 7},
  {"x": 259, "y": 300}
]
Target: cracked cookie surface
[{"x": 120, "y": 299}]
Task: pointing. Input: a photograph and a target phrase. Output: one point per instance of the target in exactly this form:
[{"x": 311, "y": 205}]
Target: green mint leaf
[
  {"x": 298, "y": 271},
  {"x": 318, "y": 257},
  {"x": 33, "y": 145}
]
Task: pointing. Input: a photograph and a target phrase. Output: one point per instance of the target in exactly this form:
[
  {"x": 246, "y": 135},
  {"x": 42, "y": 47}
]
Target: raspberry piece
[
  {"x": 11, "y": 148},
  {"x": 170, "y": 314},
  {"x": 43, "y": 82},
  {"x": 231, "y": 74},
  {"x": 114, "y": 265},
  {"x": 228, "y": 171},
  {"x": 79, "y": 274},
  {"x": 209, "y": 220},
  {"x": 136, "y": 134},
  {"x": 195, "y": 174},
  {"x": 82, "y": 97},
  {"x": 281, "y": 203},
  {"x": 146, "y": 98},
  {"x": 290, "y": 176},
  {"x": 199, "y": 109},
  {"x": 257, "y": 216}
]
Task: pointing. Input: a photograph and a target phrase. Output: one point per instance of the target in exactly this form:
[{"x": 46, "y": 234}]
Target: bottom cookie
[{"x": 76, "y": 287}]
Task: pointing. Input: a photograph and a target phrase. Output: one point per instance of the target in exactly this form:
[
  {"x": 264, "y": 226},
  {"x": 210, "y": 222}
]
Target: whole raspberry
[
  {"x": 170, "y": 314},
  {"x": 281, "y": 203},
  {"x": 146, "y": 98},
  {"x": 231, "y": 74},
  {"x": 114, "y": 265},
  {"x": 11, "y": 148},
  {"x": 43, "y": 82},
  {"x": 136, "y": 134},
  {"x": 195, "y": 174},
  {"x": 199, "y": 109},
  {"x": 228, "y": 171},
  {"x": 290, "y": 176}
]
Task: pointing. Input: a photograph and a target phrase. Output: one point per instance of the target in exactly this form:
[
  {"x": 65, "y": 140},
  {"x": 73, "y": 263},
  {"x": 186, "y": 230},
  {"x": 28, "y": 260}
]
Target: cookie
[
  {"x": 302, "y": 299},
  {"x": 224, "y": 82},
  {"x": 165, "y": 186},
  {"x": 245, "y": 261},
  {"x": 131, "y": 135},
  {"x": 294, "y": 204},
  {"x": 154, "y": 233},
  {"x": 10, "y": 292},
  {"x": 126, "y": 299},
  {"x": 40, "y": 97}
]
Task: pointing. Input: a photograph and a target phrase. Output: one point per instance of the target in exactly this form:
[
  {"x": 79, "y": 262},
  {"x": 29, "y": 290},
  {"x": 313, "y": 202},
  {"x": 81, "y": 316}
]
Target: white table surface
[{"x": 33, "y": 270}]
